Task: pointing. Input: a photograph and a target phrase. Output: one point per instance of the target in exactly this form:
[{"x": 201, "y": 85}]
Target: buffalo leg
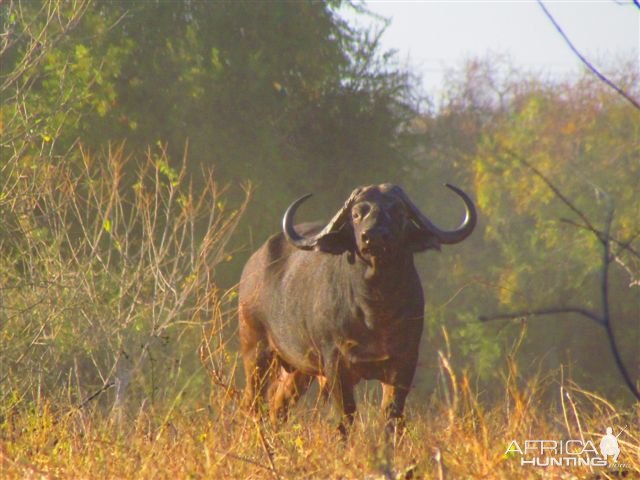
[
  {"x": 286, "y": 392},
  {"x": 340, "y": 387},
  {"x": 393, "y": 400},
  {"x": 394, "y": 396},
  {"x": 257, "y": 358},
  {"x": 396, "y": 383}
]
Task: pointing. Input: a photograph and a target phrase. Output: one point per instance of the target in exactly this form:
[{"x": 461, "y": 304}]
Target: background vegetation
[{"x": 148, "y": 147}]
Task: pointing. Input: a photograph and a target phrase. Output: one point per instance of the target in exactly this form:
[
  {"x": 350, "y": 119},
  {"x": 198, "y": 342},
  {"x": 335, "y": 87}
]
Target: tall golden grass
[
  {"x": 116, "y": 361},
  {"x": 220, "y": 441}
]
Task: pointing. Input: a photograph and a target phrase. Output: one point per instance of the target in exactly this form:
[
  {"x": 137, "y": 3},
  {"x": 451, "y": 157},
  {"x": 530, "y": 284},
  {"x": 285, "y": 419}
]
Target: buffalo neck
[{"x": 381, "y": 283}]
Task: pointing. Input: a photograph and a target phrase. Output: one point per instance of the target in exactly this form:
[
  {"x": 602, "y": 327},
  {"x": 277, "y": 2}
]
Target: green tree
[
  {"x": 284, "y": 94},
  {"x": 585, "y": 139}
]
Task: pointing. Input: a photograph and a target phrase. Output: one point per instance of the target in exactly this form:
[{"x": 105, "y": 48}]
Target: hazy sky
[{"x": 433, "y": 36}]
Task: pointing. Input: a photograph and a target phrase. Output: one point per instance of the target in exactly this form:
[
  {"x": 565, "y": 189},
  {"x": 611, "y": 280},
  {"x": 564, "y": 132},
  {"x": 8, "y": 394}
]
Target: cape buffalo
[{"x": 341, "y": 302}]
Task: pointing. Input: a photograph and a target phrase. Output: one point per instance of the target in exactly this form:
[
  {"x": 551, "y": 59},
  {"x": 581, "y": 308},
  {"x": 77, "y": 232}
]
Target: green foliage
[
  {"x": 284, "y": 94},
  {"x": 582, "y": 137}
]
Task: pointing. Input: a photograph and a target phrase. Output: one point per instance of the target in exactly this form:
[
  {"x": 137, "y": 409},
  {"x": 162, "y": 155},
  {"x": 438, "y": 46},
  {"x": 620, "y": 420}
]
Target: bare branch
[
  {"x": 554, "y": 189},
  {"x": 606, "y": 261},
  {"x": 544, "y": 311},
  {"x": 607, "y": 258},
  {"x": 585, "y": 61},
  {"x": 626, "y": 245},
  {"x": 94, "y": 395},
  {"x": 634, "y": 282},
  {"x": 587, "y": 225}
]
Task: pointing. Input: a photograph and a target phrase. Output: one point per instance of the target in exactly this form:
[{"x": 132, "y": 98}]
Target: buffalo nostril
[{"x": 365, "y": 238}]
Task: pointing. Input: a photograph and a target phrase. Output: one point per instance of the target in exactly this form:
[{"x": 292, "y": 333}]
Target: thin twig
[
  {"x": 626, "y": 245},
  {"x": 267, "y": 449},
  {"x": 553, "y": 188},
  {"x": 104, "y": 388},
  {"x": 585, "y": 61},
  {"x": 26, "y": 350},
  {"x": 245, "y": 459},
  {"x": 606, "y": 261},
  {"x": 604, "y": 320},
  {"x": 587, "y": 225},
  {"x": 541, "y": 312}
]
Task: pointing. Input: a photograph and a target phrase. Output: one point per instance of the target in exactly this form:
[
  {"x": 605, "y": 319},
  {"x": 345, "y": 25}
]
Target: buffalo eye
[{"x": 359, "y": 212}]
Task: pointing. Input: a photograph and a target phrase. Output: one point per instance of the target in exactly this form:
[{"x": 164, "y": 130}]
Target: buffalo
[{"x": 340, "y": 302}]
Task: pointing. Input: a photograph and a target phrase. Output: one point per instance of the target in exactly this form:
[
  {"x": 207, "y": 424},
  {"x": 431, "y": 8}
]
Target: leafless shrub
[{"x": 107, "y": 270}]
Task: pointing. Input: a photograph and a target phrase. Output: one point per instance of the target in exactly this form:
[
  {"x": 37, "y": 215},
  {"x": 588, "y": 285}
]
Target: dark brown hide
[{"x": 341, "y": 302}]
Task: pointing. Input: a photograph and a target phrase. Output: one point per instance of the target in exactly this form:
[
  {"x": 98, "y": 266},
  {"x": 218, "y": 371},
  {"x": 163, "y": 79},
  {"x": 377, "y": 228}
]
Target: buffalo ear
[
  {"x": 419, "y": 240},
  {"x": 336, "y": 242}
]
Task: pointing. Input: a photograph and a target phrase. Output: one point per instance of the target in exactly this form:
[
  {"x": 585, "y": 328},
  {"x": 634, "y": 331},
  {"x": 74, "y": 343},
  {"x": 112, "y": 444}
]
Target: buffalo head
[{"x": 378, "y": 222}]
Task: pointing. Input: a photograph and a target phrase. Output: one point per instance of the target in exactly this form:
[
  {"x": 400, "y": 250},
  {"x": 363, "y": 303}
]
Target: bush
[{"x": 108, "y": 278}]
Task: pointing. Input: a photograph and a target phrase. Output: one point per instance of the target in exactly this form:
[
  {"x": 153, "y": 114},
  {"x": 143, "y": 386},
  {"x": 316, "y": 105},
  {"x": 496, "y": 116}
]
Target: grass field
[
  {"x": 454, "y": 438},
  {"x": 129, "y": 296}
]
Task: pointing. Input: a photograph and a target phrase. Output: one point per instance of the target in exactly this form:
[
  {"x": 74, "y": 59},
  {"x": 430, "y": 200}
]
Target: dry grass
[{"x": 220, "y": 441}]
